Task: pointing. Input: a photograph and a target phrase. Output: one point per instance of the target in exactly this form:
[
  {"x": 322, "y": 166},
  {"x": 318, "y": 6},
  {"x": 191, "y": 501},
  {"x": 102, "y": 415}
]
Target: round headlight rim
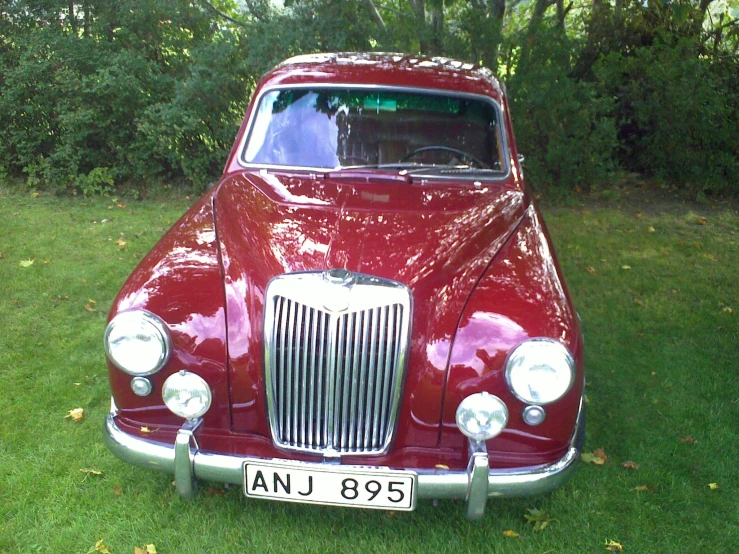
[
  {"x": 570, "y": 359},
  {"x": 183, "y": 373},
  {"x": 158, "y": 324}
]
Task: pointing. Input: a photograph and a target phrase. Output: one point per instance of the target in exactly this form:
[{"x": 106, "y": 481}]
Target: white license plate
[{"x": 333, "y": 485}]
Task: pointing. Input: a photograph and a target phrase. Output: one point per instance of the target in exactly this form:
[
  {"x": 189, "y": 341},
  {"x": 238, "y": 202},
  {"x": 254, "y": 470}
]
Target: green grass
[{"x": 663, "y": 363}]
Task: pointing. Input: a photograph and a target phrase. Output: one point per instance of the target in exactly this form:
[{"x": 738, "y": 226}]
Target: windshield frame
[{"x": 473, "y": 175}]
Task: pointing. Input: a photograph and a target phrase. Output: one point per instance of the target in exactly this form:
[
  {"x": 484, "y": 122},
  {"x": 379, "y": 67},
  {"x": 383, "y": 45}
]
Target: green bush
[
  {"x": 678, "y": 114},
  {"x": 149, "y": 94},
  {"x": 563, "y": 127}
]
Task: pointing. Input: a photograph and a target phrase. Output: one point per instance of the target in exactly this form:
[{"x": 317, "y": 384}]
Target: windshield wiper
[
  {"x": 403, "y": 168},
  {"x": 394, "y": 165},
  {"x": 449, "y": 169}
]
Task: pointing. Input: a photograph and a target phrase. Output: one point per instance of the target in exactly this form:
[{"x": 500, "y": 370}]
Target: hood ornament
[{"x": 339, "y": 283}]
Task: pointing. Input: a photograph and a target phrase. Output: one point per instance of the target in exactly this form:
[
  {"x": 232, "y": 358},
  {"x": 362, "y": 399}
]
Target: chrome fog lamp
[
  {"x": 482, "y": 416},
  {"x": 186, "y": 394},
  {"x": 137, "y": 342},
  {"x": 540, "y": 371}
]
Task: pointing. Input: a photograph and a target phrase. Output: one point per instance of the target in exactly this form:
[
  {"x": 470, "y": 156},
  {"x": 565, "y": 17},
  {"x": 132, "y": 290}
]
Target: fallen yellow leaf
[
  {"x": 601, "y": 454},
  {"x": 713, "y": 486},
  {"x": 145, "y": 430},
  {"x": 640, "y": 488},
  {"x": 625, "y": 267},
  {"x": 651, "y": 229},
  {"x": 700, "y": 220},
  {"x": 89, "y": 472},
  {"x": 77, "y": 414},
  {"x": 688, "y": 439},
  {"x": 728, "y": 310},
  {"x": 539, "y": 518},
  {"x": 597, "y": 457},
  {"x": 630, "y": 465},
  {"x": 510, "y": 533},
  {"x": 99, "y": 547},
  {"x": 148, "y": 549},
  {"x": 613, "y": 546},
  {"x": 25, "y": 263},
  {"x": 590, "y": 269}
]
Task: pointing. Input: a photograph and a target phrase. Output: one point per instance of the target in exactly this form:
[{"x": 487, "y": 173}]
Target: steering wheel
[{"x": 463, "y": 154}]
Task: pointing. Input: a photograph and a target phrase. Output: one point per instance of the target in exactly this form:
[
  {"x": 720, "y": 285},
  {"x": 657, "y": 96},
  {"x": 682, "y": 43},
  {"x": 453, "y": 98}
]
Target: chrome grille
[{"x": 335, "y": 357}]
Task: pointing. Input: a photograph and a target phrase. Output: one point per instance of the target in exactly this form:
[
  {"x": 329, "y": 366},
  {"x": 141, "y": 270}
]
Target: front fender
[
  {"x": 521, "y": 295},
  {"x": 179, "y": 281}
]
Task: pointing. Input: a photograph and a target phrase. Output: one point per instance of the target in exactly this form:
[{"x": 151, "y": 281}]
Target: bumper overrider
[{"x": 188, "y": 463}]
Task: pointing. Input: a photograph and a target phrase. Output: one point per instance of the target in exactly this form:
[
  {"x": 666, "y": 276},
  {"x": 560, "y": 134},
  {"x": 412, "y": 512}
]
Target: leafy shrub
[
  {"x": 99, "y": 181},
  {"x": 678, "y": 114},
  {"x": 563, "y": 127}
]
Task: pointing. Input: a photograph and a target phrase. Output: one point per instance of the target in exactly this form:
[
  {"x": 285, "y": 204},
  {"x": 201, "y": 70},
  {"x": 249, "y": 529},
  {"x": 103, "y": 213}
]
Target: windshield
[{"x": 332, "y": 128}]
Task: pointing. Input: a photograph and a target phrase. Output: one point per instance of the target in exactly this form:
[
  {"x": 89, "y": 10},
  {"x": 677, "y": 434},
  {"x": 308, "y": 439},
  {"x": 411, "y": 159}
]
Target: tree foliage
[{"x": 96, "y": 93}]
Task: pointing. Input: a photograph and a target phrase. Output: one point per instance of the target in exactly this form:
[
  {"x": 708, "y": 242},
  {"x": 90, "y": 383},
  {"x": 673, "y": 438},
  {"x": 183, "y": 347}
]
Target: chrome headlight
[
  {"x": 186, "y": 394},
  {"x": 137, "y": 342},
  {"x": 482, "y": 416},
  {"x": 540, "y": 371}
]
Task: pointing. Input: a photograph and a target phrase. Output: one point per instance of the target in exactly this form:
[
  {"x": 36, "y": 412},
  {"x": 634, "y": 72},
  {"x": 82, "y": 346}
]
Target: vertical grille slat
[
  {"x": 380, "y": 367},
  {"x": 283, "y": 351},
  {"x": 313, "y": 326},
  {"x": 334, "y": 379},
  {"x": 323, "y": 372},
  {"x": 371, "y": 380}
]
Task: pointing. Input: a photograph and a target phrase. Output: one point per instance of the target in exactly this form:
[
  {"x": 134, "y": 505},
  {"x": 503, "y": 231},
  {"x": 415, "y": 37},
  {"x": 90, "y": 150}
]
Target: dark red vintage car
[{"x": 366, "y": 310}]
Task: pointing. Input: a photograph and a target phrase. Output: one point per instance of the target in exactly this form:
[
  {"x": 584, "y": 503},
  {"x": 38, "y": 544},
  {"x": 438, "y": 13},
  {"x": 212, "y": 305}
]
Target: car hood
[{"x": 435, "y": 236}]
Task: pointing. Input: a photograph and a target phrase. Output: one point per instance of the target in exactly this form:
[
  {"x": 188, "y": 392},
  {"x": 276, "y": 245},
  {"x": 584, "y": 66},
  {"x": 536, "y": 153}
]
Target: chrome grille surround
[{"x": 335, "y": 355}]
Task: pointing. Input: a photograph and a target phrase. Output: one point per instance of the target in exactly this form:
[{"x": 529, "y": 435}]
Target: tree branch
[
  {"x": 392, "y": 10},
  {"x": 254, "y": 11},
  {"x": 376, "y": 17},
  {"x": 222, "y": 15}
]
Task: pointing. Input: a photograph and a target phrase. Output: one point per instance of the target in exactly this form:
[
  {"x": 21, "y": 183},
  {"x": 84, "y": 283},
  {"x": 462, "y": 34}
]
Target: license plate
[{"x": 332, "y": 485}]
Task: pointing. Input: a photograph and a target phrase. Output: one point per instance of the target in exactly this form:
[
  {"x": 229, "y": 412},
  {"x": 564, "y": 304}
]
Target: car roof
[{"x": 384, "y": 69}]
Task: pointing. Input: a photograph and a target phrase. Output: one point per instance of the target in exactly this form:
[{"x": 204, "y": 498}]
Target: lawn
[{"x": 654, "y": 279}]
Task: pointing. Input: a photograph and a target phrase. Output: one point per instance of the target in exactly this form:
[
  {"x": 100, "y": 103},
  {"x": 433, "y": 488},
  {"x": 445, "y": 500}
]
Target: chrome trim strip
[
  {"x": 504, "y": 174},
  {"x": 431, "y": 483}
]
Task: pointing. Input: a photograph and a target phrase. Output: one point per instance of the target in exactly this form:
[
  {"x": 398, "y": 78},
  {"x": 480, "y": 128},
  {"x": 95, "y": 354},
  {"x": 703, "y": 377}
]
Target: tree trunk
[
  {"x": 88, "y": 19},
  {"x": 537, "y": 17},
  {"x": 72, "y": 18},
  {"x": 436, "y": 9}
]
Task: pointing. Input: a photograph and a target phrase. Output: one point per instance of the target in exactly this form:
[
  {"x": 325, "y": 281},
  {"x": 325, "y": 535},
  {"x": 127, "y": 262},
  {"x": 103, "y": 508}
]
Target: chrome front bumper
[{"x": 475, "y": 485}]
